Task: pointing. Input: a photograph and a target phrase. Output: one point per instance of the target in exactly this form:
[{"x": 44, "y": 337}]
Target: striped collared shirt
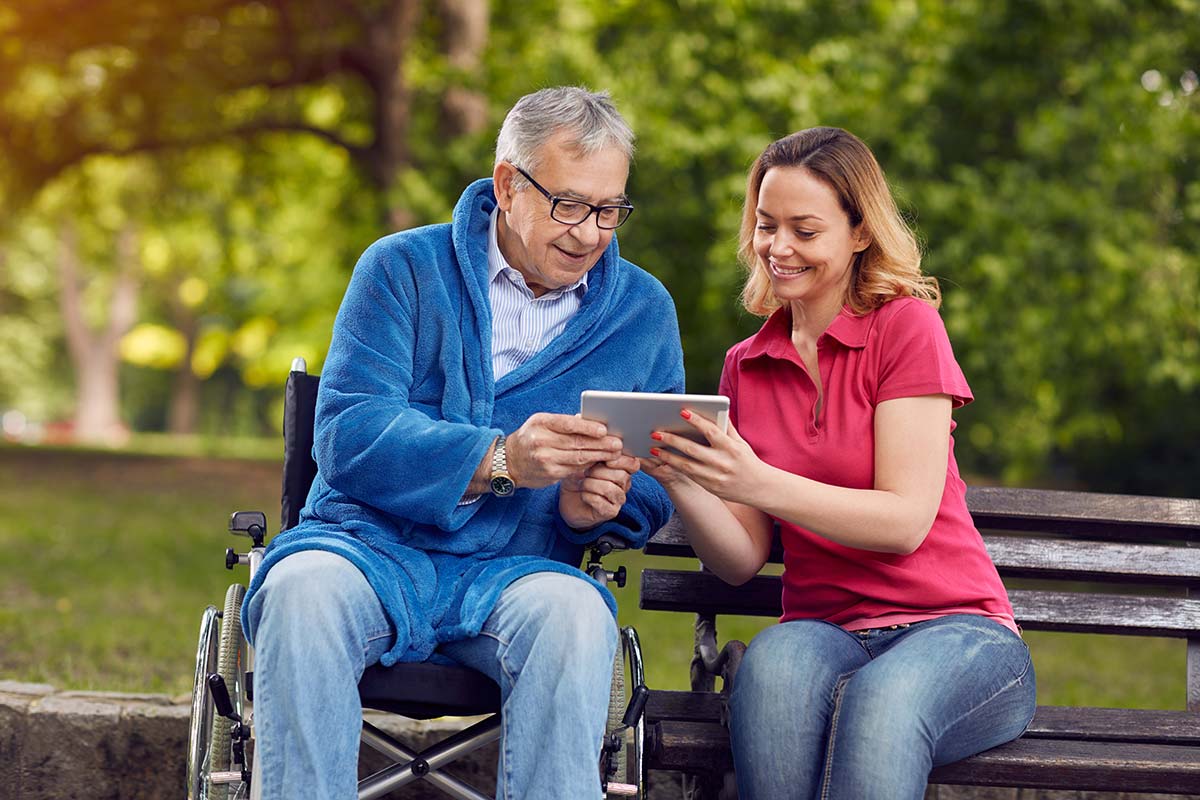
[{"x": 521, "y": 323}]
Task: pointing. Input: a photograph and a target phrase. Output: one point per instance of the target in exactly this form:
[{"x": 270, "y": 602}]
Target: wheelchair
[{"x": 221, "y": 730}]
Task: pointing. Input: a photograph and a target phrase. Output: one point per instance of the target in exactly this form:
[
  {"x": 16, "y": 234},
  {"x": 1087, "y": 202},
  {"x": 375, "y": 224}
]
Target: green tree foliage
[
  {"x": 1044, "y": 149},
  {"x": 1062, "y": 215}
]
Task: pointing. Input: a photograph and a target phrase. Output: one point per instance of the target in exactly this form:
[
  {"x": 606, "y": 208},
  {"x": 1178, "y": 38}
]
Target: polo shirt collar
[{"x": 774, "y": 339}]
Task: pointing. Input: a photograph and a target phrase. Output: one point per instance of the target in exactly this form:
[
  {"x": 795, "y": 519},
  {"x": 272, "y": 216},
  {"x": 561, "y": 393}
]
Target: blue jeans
[
  {"x": 316, "y": 624},
  {"x": 820, "y": 712}
]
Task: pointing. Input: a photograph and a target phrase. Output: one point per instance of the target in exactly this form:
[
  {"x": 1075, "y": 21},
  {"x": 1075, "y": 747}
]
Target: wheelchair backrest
[{"x": 299, "y": 469}]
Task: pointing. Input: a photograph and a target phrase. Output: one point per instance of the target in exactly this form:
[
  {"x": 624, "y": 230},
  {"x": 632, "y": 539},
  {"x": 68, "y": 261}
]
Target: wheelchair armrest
[
  {"x": 249, "y": 523},
  {"x": 611, "y": 543}
]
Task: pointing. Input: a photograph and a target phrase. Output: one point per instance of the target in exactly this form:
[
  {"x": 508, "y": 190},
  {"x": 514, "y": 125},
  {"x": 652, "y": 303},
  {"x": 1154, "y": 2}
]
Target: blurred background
[{"x": 185, "y": 187}]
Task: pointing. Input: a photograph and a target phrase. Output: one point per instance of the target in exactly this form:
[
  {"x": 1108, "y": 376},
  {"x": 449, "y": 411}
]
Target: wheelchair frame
[{"x": 219, "y": 766}]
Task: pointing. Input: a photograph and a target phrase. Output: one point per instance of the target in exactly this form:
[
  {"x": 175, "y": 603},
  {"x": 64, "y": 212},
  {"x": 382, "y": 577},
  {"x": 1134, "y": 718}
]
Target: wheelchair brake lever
[
  {"x": 637, "y": 705},
  {"x": 616, "y": 740},
  {"x": 239, "y": 731},
  {"x": 220, "y": 696}
]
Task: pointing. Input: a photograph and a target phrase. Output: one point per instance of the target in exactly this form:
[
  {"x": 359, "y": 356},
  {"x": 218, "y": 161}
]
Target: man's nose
[{"x": 588, "y": 232}]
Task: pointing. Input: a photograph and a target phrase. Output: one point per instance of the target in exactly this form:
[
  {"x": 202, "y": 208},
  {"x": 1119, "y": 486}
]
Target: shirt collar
[
  {"x": 774, "y": 339},
  {"x": 498, "y": 264}
]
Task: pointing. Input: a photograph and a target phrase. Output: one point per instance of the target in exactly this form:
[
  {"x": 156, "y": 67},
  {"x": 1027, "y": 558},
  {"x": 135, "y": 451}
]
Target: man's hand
[
  {"x": 596, "y": 496},
  {"x": 551, "y": 447}
]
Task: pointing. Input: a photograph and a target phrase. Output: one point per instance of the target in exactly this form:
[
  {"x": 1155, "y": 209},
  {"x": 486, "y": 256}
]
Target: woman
[{"x": 897, "y": 650}]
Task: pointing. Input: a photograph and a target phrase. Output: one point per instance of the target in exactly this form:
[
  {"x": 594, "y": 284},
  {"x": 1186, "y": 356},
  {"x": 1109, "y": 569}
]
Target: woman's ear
[{"x": 862, "y": 238}]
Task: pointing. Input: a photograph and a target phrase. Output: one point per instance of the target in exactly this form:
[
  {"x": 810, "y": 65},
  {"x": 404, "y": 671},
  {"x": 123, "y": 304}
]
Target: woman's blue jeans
[
  {"x": 316, "y": 625},
  {"x": 818, "y": 712}
]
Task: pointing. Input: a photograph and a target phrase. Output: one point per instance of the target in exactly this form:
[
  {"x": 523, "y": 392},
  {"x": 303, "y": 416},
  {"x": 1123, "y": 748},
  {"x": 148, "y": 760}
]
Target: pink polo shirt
[{"x": 898, "y": 350}]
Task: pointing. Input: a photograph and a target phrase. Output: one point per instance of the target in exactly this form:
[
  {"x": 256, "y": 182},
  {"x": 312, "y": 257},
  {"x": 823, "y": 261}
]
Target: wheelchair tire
[
  {"x": 231, "y": 665},
  {"x": 628, "y": 671},
  {"x": 616, "y": 706},
  {"x": 201, "y": 723}
]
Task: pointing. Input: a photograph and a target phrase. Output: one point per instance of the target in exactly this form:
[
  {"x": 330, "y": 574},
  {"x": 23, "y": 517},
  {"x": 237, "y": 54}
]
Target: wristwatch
[{"x": 502, "y": 482}]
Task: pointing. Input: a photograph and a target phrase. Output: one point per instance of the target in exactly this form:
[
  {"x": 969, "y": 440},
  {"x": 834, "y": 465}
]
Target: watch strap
[{"x": 500, "y": 457}]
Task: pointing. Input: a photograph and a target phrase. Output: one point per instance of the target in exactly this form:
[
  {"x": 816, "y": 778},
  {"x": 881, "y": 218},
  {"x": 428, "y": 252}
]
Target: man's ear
[{"x": 502, "y": 178}]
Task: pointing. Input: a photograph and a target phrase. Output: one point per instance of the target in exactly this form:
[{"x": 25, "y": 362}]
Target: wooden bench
[{"x": 1072, "y": 561}]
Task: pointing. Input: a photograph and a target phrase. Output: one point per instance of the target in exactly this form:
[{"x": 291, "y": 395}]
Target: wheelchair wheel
[
  {"x": 627, "y": 671},
  {"x": 616, "y": 707},
  {"x": 231, "y": 665},
  {"x": 201, "y": 723}
]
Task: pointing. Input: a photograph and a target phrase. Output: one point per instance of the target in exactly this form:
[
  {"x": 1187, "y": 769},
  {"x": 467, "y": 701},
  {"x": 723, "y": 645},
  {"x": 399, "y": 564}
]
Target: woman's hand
[{"x": 727, "y": 467}]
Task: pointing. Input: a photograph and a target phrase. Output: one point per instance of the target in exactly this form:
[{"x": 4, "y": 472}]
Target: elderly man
[{"x": 456, "y": 486}]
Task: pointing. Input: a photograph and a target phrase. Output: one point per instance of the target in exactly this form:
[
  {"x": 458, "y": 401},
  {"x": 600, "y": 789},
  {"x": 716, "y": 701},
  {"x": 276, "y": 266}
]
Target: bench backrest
[{"x": 1095, "y": 563}]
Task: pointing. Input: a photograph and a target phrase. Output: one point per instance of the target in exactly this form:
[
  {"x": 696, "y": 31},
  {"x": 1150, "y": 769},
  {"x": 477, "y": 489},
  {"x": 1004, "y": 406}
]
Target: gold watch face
[{"x": 502, "y": 485}]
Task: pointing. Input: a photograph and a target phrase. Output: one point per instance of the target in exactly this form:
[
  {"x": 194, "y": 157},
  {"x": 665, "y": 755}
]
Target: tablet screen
[{"x": 634, "y": 415}]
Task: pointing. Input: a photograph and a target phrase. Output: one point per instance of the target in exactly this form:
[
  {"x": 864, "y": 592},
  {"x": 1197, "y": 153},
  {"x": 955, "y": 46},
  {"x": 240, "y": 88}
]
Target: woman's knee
[
  {"x": 949, "y": 677},
  {"x": 798, "y": 657}
]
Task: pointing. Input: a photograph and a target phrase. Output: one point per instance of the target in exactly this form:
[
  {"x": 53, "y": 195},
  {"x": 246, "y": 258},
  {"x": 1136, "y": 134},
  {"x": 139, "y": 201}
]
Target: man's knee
[
  {"x": 313, "y": 586},
  {"x": 568, "y": 615}
]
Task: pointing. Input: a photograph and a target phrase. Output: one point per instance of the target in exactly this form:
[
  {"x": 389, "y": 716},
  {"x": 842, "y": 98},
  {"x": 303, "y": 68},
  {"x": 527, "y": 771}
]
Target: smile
[
  {"x": 780, "y": 269},
  {"x": 569, "y": 254}
]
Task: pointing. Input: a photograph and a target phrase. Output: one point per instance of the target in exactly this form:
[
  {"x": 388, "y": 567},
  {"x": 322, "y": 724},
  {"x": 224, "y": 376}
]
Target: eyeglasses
[{"x": 573, "y": 212}]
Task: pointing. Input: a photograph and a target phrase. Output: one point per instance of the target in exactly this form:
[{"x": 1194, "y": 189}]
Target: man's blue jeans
[
  {"x": 819, "y": 712},
  {"x": 316, "y": 625}
]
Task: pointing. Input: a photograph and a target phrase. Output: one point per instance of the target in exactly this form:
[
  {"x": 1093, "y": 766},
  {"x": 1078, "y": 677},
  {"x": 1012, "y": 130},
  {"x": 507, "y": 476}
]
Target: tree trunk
[
  {"x": 94, "y": 353},
  {"x": 465, "y": 26},
  {"x": 387, "y": 42},
  {"x": 463, "y": 109},
  {"x": 184, "y": 410}
]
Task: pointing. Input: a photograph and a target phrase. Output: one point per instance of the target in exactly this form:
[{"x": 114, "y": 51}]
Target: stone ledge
[
  {"x": 88, "y": 745},
  {"x": 65, "y": 745}
]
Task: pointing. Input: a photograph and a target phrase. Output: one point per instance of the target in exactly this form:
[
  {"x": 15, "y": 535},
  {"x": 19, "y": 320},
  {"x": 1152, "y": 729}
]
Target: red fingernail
[
  {"x": 685, "y": 414},
  {"x": 654, "y": 451},
  {"x": 656, "y": 436}
]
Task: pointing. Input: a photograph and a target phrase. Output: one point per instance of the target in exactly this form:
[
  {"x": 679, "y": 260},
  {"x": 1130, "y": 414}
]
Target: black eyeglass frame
[{"x": 555, "y": 200}]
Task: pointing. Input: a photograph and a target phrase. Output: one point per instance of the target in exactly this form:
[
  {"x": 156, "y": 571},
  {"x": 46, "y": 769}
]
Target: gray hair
[{"x": 590, "y": 119}]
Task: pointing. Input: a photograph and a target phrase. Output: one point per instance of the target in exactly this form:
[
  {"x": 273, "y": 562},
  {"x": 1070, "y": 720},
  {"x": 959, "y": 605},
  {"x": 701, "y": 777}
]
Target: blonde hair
[{"x": 888, "y": 268}]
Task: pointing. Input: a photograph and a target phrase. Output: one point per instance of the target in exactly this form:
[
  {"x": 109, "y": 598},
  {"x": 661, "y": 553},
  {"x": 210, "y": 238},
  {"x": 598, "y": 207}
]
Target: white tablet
[{"x": 634, "y": 415}]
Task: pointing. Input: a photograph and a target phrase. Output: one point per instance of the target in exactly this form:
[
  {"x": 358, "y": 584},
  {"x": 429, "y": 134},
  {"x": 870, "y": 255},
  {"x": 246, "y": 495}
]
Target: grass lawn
[{"x": 108, "y": 559}]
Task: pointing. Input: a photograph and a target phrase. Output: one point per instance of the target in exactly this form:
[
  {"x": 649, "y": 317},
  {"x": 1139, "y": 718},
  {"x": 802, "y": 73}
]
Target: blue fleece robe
[{"x": 408, "y": 407}]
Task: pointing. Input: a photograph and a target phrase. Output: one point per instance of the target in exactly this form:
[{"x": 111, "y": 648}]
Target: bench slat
[
  {"x": 1033, "y": 557},
  {"x": 1085, "y": 513},
  {"x": 684, "y": 706},
  {"x": 1085, "y": 612},
  {"x": 703, "y": 592},
  {"x": 671, "y": 540},
  {"x": 1136, "y": 725},
  {"x": 693, "y": 747},
  {"x": 1147, "y": 726},
  {"x": 1086, "y": 766},
  {"x": 700, "y": 747},
  {"x": 1082, "y": 612},
  {"x": 1025, "y": 557},
  {"x": 1041, "y": 510},
  {"x": 1147, "y": 518}
]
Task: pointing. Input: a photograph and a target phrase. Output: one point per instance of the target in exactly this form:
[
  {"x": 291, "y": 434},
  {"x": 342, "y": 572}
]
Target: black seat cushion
[{"x": 425, "y": 690}]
